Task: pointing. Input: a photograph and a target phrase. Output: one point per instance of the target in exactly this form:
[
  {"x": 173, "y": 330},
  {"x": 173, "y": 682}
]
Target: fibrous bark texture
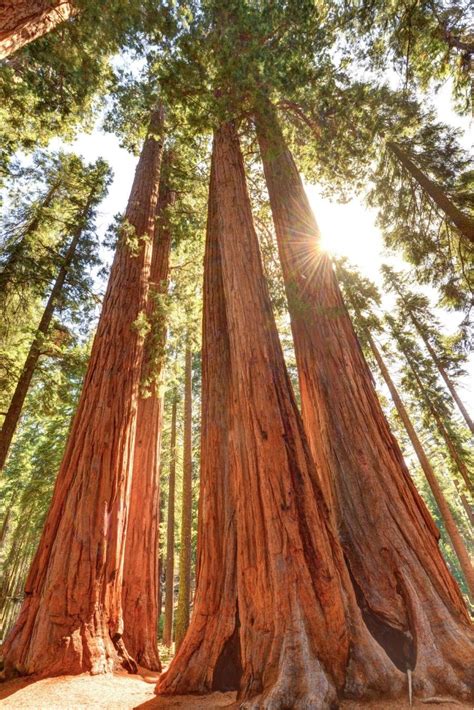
[
  {"x": 184, "y": 594},
  {"x": 389, "y": 539},
  {"x": 140, "y": 576},
  {"x": 444, "y": 509},
  {"x": 71, "y": 618},
  {"x": 274, "y": 613},
  {"x": 22, "y": 21},
  {"x": 169, "y": 582}
]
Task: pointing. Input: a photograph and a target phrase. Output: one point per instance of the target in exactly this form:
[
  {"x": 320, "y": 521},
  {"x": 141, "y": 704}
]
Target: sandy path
[{"x": 124, "y": 692}]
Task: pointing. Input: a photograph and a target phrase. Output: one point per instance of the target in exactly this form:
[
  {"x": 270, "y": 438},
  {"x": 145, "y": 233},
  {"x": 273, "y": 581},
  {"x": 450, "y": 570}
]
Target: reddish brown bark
[
  {"x": 184, "y": 593},
  {"x": 140, "y": 575},
  {"x": 388, "y": 536},
  {"x": 274, "y": 614},
  {"x": 169, "y": 582},
  {"x": 71, "y": 618},
  {"x": 464, "y": 224},
  {"x": 15, "y": 408},
  {"x": 444, "y": 509},
  {"x": 22, "y": 21}
]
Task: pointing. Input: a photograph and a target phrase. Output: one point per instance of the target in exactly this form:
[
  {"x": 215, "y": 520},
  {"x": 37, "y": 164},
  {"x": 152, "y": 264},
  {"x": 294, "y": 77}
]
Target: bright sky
[{"x": 347, "y": 229}]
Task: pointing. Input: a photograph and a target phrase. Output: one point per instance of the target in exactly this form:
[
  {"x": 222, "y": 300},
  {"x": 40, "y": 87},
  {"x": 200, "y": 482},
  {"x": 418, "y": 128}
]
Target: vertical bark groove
[
  {"x": 388, "y": 536},
  {"x": 71, "y": 618},
  {"x": 23, "y": 21},
  {"x": 140, "y": 577}
]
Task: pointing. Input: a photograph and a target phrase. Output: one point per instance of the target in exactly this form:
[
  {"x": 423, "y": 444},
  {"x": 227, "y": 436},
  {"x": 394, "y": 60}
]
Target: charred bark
[
  {"x": 388, "y": 536},
  {"x": 275, "y": 615},
  {"x": 140, "y": 576},
  {"x": 71, "y": 619},
  {"x": 22, "y": 21}
]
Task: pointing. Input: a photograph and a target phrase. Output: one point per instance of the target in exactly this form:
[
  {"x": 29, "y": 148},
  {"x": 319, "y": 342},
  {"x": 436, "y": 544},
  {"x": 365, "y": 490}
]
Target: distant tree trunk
[
  {"x": 13, "y": 415},
  {"x": 22, "y": 21},
  {"x": 184, "y": 594},
  {"x": 464, "y": 223},
  {"x": 169, "y": 583},
  {"x": 446, "y": 515},
  {"x": 71, "y": 618},
  {"x": 465, "y": 503},
  {"x": 6, "y": 520},
  {"x": 269, "y": 616},
  {"x": 140, "y": 575},
  {"x": 455, "y": 455},
  {"x": 443, "y": 373},
  {"x": 387, "y": 533}
]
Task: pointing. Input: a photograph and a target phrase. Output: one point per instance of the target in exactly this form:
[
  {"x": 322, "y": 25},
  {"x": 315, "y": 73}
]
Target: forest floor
[{"x": 123, "y": 691}]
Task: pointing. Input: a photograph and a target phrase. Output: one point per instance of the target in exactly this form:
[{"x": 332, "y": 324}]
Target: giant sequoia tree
[
  {"x": 71, "y": 619},
  {"x": 275, "y": 614},
  {"x": 362, "y": 471}
]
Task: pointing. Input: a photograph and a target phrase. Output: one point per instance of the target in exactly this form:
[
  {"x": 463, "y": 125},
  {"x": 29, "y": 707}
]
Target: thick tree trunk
[
  {"x": 464, "y": 223},
  {"x": 140, "y": 575},
  {"x": 22, "y": 21},
  {"x": 71, "y": 618},
  {"x": 270, "y": 614},
  {"x": 387, "y": 534},
  {"x": 184, "y": 594},
  {"x": 448, "y": 519},
  {"x": 13, "y": 415},
  {"x": 169, "y": 583}
]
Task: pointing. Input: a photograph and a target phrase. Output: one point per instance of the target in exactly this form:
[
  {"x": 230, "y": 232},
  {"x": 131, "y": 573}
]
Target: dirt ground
[{"x": 124, "y": 692}]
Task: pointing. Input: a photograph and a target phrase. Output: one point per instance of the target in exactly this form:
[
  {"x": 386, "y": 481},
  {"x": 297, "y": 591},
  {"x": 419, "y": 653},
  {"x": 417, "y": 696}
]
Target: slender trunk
[
  {"x": 456, "y": 457},
  {"x": 140, "y": 576},
  {"x": 6, "y": 521},
  {"x": 443, "y": 373},
  {"x": 169, "y": 588},
  {"x": 18, "y": 250},
  {"x": 465, "y": 503},
  {"x": 270, "y": 615},
  {"x": 184, "y": 594},
  {"x": 71, "y": 618},
  {"x": 464, "y": 223},
  {"x": 448, "y": 520},
  {"x": 22, "y": 21},
  {"x": 388, "y": 536},
  {"x": 161, "y": 560},
  {"x": 13, "y": 415}
]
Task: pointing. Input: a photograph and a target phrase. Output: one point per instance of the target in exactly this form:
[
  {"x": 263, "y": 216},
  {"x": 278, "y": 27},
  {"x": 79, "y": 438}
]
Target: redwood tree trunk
[
  {"x": 184, "y": 594},
  {"x": 71, "y": 618},
  {"x": 22, "y": 21},
  {"x": 15, "y": 408},
  {"x": 464, "y": 224},
  {"x": 270, "y": 615},
  {"x": 169, "y": 582},
  {"x": 389, "y": 539},
  {"x": 448, "y": 519},
  {"x": 140, "y": 575}
]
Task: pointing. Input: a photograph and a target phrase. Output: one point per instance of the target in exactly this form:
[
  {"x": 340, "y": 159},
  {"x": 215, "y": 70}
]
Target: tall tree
[
  {"x": 13, "y": 414},
  {"x": 71, "y": 619},
  {"x": 22, "y": 22},
  {"x": 350, "y": 439},
  {"x": 140, "y": 575},
  {"x": 441, "y": 200},
  {"x": 416, "y": 306},
  {"x": 169, "y": 588},
  {"x": 270, "y": 611},
  {"x": 184, "y": 593},
  {"x": 359, "y": 300}
]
